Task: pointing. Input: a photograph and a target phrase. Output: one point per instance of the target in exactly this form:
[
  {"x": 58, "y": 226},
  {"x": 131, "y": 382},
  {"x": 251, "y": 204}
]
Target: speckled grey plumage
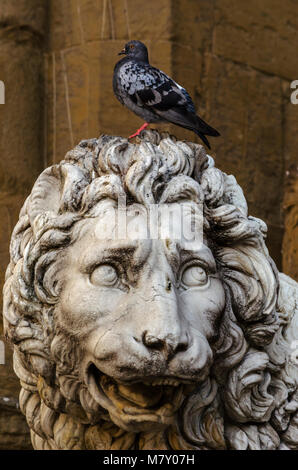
[{"x": 153, "y": 95}]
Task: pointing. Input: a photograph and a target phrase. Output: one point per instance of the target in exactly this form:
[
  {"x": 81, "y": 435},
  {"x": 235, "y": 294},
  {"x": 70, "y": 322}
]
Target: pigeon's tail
[
  {"x": 204, "y": 128},
  {"x": 204, "y": 138}
]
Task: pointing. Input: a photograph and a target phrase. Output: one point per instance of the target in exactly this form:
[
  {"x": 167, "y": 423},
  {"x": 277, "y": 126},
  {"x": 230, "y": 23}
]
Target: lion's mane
[{"x": 249, "y": 399}]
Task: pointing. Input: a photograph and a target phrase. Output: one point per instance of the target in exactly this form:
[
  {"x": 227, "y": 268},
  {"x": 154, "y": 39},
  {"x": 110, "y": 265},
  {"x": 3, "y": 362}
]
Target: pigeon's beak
[{"x": 123, "y": 52}]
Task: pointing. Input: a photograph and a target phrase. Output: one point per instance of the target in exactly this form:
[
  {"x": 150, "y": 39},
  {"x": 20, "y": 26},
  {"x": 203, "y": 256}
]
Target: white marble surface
[{"x": 156, "y": 337}]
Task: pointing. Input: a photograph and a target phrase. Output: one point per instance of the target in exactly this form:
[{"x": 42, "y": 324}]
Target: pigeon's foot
[{"x": 139, "y": 130}]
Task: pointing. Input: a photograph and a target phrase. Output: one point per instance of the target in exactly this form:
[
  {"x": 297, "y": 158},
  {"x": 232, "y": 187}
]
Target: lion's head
[{"x": 147, "y": 341}]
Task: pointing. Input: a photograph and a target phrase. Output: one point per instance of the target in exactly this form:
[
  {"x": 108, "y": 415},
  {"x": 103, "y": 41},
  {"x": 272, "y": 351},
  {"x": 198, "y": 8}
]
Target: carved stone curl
[{"x": 149, "y": 343}]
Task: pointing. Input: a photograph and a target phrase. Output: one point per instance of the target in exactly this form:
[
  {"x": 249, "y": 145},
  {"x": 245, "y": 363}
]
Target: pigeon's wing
[
  {"x": 167, "y": 99},
  {"x": 163, "y": 93},
  {"x": 171, "y": 102},
  {"x": 152, "y": 89}
]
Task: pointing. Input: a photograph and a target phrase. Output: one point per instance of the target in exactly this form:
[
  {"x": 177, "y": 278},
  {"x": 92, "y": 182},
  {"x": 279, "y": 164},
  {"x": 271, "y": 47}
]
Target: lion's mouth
[{"x": 152, "y": 400}]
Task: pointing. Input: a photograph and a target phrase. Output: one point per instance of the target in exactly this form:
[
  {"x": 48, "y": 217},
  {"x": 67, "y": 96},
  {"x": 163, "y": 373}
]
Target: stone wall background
[
  {"x": 22, "y": 35},
  {"x": 236, "y": 58}
]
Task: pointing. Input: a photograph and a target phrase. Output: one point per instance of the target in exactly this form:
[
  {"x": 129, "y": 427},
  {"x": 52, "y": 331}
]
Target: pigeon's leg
[{"x": 139, "y": 130}]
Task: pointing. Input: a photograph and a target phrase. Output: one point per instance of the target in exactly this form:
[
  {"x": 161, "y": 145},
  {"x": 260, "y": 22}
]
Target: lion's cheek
[
  {"x": 203, "y": 307},
  {"x": 83, "y": 306}
]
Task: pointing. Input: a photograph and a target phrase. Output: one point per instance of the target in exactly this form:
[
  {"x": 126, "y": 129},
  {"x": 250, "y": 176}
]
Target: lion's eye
[
  {"x": 104, "y": 275},
  {"x": 194, "y": 276}
]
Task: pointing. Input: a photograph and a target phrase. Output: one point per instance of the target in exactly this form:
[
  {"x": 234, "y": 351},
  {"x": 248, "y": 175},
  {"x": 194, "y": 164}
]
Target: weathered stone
[
  {"x": 13, "y": 427},
  {"x": 230, "y": 55},
  {"x": 290, "y": 201},
  {"x": 75, "y": 23},
  {"x": 21, "y": 116},
  {"x": 23, "y": 14},
  {"x": 260, "y": 34},
  {"x": 290, "y": 248},
  {"x": 136, "y": 334},
  {"x": 246, "y": 108},
  {"x": 193, "y": 23},
  {"x": 22, "y": 29},
  {"x": 65, "y": 25},
  {"x": 13, "y": 430}
]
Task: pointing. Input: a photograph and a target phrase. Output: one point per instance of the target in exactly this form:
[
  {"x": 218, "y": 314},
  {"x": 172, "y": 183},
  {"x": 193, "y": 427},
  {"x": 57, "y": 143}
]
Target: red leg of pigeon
[{"x": 139, "y": 130}]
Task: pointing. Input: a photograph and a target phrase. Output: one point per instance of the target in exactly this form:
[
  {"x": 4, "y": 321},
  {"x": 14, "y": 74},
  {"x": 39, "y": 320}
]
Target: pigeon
[{"x": 153, "y": 95}]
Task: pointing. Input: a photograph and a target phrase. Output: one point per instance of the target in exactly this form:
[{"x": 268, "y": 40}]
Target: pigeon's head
[{"x": 136, "y": 50}]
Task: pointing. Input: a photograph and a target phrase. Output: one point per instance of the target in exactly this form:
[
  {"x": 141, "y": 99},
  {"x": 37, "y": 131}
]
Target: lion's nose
[{"x": 168, "y": 344}]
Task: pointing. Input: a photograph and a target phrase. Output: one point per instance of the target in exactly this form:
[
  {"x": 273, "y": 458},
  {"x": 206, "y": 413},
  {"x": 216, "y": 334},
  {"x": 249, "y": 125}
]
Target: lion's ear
[
  {"x": 45, "y": 195},
  {"x": 54, "y": 192}
]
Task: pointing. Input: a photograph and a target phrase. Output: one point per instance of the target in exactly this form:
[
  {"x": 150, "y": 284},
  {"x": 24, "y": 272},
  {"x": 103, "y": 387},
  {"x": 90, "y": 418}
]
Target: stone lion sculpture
[{"x": 149, "y": 343}]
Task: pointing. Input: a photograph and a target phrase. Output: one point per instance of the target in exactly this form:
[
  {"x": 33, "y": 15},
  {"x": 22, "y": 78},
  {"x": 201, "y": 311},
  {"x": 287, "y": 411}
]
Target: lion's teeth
[{"x": 171, "y": 382}]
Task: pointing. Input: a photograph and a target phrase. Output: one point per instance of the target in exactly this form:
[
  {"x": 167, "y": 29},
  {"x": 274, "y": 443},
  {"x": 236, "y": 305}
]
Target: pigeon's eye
[{"x": 131, "y": 46}]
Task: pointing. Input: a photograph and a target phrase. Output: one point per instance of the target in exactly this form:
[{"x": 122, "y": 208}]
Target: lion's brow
[
  {"x": 203, "y": 254},
  {"x": 124, "y": 250}
]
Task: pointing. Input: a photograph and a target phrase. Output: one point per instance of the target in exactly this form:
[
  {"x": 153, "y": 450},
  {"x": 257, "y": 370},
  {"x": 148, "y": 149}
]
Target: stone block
[
  {"x": 22, "y": 30},
  {"x": 149, "y": 20},
  {"x": 64, "y": 25},
  {"x": 245, "y": 106},
  {"x": 290, "y": 206},
  {"x": 260, "y": 34},
  {"x": 14, "y": 433},
  {"x": 77, "y": 22},
  {"x": 30, "y": 14},
  {"x": 22, "y": 115},
  {"x": 193, "y": 23}
]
